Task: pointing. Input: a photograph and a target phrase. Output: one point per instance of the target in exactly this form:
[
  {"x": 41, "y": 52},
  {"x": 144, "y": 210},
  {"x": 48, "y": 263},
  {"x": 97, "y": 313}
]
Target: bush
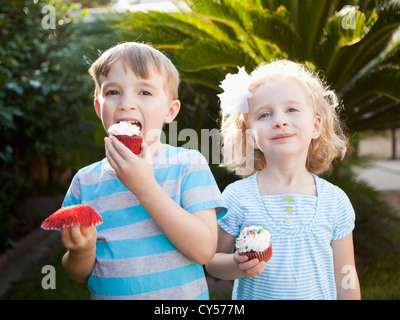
[
  {"x": 376, "y": 233},
  {"x": 44, "y": 99}
]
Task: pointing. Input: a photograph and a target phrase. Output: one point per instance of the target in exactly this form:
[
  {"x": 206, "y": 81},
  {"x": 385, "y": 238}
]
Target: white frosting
[
  {"x": 124, "y": 129},
  {"x": 253, "y": 238}
]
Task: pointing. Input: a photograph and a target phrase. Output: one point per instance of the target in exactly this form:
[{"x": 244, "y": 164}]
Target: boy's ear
[
  {"x": 96, "y": 104},
  {"x": 173, "y": 111}
]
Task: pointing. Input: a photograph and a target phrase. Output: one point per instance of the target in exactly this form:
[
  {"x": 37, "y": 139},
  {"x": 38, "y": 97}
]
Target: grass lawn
[
  {"x": 379, "y": 282},
  {"x": 66, "y": 289},
  {"x": 382, "y": 281}
]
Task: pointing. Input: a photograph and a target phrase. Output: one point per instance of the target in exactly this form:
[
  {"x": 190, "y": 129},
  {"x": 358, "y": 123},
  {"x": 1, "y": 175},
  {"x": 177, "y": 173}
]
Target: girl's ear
[
  {"x": 96, "y": 104},
  {"x": 317, "y": 127},
  {"x": 173, "y": 111},
  {"x": 251, "y": 139}
]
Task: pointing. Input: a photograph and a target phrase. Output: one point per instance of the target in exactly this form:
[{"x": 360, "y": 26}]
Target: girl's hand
[
  {"x": 250, "y": 268},
  {"x": 79, "y": 239},
  {"x": 135, "y": 173}
]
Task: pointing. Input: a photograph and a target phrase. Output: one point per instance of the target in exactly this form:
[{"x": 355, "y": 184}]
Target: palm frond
[
  {"x": 225, "y": 54},
  {"x": 352, "y": 58},
  {"x": 384, "y": 118},
  {"x": 309, "y": 19},
  {"x": 162, "y": 28},
  {"x": 384, "y": 80},
  {"x": 275, "y": 30},
  {"x": 374, "y": 87},
  {"x": 336, "y": 37}
]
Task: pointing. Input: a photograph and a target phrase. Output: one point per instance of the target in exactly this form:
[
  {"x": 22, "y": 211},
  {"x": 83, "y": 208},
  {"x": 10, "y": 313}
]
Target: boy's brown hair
[{"x": 140, "y": 58}]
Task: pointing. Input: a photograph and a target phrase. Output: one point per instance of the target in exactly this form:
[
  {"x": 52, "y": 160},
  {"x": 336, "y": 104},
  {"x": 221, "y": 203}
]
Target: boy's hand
[
  {"x": 79, "y": 239},
  {"x": 135, "y": 172},
  {"x": 250, "y": 268},
  {"x": 80, "y": 258}
]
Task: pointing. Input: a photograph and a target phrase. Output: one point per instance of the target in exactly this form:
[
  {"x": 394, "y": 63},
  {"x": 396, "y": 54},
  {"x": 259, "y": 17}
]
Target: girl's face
[{"x": 282, "y": 120}]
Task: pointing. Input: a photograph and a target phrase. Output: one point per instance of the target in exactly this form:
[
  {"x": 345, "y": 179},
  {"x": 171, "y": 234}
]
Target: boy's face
[{"x": 125, "y": 97}]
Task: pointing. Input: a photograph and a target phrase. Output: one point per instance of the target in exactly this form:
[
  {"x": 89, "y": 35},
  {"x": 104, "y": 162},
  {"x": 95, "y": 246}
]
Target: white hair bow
[{"x": 236, "y": 92}]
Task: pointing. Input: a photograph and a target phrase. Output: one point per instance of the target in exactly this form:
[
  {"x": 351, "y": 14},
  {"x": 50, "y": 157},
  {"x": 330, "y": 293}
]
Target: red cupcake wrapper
[
  {"x": 76, "y": 215},
  {"x": 132, "y": 142},
  {"x": 261, "y": 256}
]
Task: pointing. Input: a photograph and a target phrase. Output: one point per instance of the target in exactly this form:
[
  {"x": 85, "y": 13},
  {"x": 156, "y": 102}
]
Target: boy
[{"x": 159, "y": 209}]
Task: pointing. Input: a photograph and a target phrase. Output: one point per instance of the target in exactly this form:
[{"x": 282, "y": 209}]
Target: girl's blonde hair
[{"x": 243, "y": 159}]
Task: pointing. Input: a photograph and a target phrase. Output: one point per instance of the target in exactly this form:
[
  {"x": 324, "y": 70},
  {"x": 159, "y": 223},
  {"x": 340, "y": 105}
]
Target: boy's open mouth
[{"x": 132, "y": 122}]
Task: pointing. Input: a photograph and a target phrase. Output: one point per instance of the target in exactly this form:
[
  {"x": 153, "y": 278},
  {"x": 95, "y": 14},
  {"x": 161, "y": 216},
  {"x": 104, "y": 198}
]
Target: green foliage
[
  {"x": 381, "y": 281},
  {"x": 44, "y": 98},
  {"x": 377, "y": 224}
]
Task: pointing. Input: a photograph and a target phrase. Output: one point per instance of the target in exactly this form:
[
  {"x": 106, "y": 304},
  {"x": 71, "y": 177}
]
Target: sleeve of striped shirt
[
  {"x": 345, "y": 217},
  {"x": 231, "y": 221},
  {"x": 73, "y": 195},
  {"x": 199, "y": 190}
]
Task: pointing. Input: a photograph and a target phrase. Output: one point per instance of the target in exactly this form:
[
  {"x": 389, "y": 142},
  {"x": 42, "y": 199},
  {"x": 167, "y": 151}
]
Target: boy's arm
[
  {"x": 79, "y": 260},
  {"x": 347, "y": 285},
  {"x": 229, "y": 266},
  {"x": 195, "y": 235}
]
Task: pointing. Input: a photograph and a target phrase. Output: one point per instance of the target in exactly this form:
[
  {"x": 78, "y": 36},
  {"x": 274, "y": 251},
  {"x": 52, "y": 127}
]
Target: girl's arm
[
  {"x": 229, "y": 266},
  {"x": 347, "y": 285}
]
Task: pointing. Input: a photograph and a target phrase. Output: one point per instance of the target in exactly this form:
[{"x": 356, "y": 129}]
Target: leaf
[
  {"x": 356, "y": 56},
  {"x": 225, "y": 53},
  {"x": 7, "y": 115},
  {"x": 277, "y": 32},
  {"x": 14, "y": 86},
  {"x": 384, "y": 80},
  {"x": 309, "y": 19}
]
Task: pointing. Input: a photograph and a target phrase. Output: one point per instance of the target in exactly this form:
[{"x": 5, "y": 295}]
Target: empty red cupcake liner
[{"x": 76, "y": 215}]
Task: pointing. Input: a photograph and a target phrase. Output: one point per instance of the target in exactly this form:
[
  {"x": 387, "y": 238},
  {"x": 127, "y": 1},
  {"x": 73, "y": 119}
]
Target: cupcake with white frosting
[
  {"x": 255, "y": 242},
  {"x": 128, "y": 132}
]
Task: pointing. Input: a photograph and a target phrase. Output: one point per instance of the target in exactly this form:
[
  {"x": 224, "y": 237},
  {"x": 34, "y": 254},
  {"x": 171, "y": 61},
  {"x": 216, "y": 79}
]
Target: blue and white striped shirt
[
  {"x": 302, "y": 228},
  {"x": 134, "y": 259}
]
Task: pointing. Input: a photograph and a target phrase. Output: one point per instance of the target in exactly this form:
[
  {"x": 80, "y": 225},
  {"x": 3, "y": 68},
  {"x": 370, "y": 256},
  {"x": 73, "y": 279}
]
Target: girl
[{"x": 280, "y": 129}]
